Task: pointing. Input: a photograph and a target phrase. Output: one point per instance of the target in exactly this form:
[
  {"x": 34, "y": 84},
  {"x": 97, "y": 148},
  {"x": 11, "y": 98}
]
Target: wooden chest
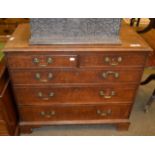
[
  {"x": 8, "y": 113},
  {"x": 75, "y": 84}
]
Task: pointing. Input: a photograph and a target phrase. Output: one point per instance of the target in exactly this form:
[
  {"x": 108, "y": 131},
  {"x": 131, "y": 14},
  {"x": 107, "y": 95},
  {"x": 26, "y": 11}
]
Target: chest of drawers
[
  {"x": 75, "y": 84},
  {"x": 8, "y": 113}
]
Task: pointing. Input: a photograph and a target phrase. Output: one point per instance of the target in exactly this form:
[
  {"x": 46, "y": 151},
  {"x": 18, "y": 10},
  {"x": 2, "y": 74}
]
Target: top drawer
[
  {"x": 16, "y": 61},
  {"x": 113, "y": 60}
]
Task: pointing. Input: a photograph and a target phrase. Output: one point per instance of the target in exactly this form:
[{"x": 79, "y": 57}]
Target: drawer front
[
  {"x": 41, "y": 61},
  {"x": 72, "y": 95},
  {"x": 84, "y": 112},
  {"x": 114, "y": 60},
  {"x": 52, "y": 76}
]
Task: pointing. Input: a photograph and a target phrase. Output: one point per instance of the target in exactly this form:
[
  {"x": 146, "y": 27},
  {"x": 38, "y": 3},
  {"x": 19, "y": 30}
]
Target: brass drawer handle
[
  {"x": 48, "y": 61},
  {"x": 36, "y": 60},
  {"x": 104, "y": 113},
  {"x": 38, "y": 77},
  {"x": 115, "y": 74},
  {"x": 102, "y": 94},
  {"x": 113, "y": 61},
  {"x": 40, "y": 94},
  {"x": 47, "y": 114}
]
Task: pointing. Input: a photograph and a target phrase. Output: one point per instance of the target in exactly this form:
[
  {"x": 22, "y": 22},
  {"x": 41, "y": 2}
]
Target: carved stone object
[{"x": 75, "y": 30}]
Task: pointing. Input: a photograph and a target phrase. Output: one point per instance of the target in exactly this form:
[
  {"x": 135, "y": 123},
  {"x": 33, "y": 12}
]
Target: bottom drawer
[{"x": 69, "y": 112}]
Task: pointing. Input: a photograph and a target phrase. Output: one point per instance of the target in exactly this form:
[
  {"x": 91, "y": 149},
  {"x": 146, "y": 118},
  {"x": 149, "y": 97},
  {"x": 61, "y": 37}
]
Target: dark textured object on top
[{"x": 75, "y": 30}]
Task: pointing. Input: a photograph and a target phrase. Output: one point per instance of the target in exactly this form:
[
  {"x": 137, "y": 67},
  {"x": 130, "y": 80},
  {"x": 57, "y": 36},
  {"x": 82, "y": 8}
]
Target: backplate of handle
[
  {"x": 106, "y": 74},
  {"x": 104, "y": 112},
  {"x": 102, "y": 94},
  {"x": 47, "y": 114},
  {"x": 40, "y": 94},
  {"x": 48, "y": 61},
  {"x": 113, "y": 61},
  {"x": 38, "y": 77}
]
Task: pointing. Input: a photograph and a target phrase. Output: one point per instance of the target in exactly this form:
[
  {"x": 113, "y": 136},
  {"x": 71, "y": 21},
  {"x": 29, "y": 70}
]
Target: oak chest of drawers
[
  {"x": 8, "y": 113},
  {"x": 75, "y": 84}
]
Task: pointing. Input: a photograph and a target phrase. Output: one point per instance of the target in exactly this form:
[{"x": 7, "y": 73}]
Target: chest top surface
[{"x": 131, "y": 41}]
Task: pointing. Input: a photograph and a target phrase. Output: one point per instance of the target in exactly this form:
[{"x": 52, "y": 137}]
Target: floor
[{"x": 142, "y": 124}]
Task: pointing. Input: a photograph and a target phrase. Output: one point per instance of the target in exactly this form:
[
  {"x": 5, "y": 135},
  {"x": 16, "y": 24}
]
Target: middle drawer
[
  {"x": 71, "y": 95},
  {"x": 56, "y": 76}
]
